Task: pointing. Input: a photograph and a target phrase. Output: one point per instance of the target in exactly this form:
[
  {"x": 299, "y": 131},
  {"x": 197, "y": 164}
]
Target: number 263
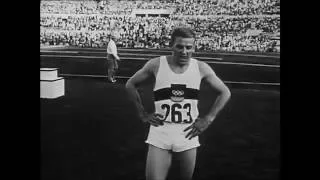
[{"x": 176, "y": 114}]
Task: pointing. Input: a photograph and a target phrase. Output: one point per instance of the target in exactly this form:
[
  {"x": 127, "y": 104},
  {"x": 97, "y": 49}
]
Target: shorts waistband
[{"x": 173, "y": 123}]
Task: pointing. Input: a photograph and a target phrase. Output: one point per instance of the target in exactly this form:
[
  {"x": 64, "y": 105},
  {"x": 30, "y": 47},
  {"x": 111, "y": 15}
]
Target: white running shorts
[{"x": 170, "y": 136}]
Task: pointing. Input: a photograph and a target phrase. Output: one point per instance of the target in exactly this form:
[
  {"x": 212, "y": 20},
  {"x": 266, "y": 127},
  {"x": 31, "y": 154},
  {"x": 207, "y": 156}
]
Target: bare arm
[
  {"x": 133, "y": 83},
  {"x": 116, "y": 56},
  {"x": 202, "y": 123},
  {"x": 149, "y": 70},
  {"x": 113, "y": 48},
  {"x": 209, "y": 76}
]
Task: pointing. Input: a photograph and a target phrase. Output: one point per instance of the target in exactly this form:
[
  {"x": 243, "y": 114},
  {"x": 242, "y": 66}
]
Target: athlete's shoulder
[
  {"x": 154, "y": 62},
  {"x": 152, "y": 65},
  {"x": 205, "y": 69}
]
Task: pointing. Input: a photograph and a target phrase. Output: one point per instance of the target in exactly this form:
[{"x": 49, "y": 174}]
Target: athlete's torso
[{"x": 176, "y": 95}]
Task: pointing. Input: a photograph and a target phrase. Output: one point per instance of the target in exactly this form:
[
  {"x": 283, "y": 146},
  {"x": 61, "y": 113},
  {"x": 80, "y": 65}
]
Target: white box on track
[
  {"x": 48, "y": 73},
  {"x": 51, "y": 89}
]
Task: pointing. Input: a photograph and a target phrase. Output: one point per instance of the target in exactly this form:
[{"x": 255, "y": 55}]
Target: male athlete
[{"x": 175, "y": 124}]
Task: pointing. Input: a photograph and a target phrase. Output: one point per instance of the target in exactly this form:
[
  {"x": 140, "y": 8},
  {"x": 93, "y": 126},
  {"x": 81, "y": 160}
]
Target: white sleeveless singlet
[
  {"x": 176, "y": 98},
  {"x": 176, "y": 95}
]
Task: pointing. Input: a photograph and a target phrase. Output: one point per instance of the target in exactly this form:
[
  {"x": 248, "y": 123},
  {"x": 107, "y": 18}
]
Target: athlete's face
[{"x": 182, "y": 50}]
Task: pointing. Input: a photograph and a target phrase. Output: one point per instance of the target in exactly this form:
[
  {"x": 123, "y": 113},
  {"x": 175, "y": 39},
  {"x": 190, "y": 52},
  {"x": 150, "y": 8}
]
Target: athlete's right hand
[{"x": 154, "y": 119}]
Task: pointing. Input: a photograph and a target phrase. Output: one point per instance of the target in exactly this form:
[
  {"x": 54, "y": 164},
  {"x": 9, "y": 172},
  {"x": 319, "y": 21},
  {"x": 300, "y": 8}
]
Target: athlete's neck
[{"x": 177, "y": 67}]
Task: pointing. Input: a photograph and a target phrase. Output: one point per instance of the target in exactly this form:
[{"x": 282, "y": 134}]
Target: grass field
[{"x": 92, "y": 133}]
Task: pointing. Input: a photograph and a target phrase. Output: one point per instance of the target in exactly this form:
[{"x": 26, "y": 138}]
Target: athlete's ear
[{"x": 171, "y": 43}]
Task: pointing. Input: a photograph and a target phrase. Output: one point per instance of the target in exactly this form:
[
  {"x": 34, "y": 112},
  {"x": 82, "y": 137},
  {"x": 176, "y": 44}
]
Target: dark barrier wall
[
  {"x": 228, "y": 72},
  {"x": 249, "y": 57}
]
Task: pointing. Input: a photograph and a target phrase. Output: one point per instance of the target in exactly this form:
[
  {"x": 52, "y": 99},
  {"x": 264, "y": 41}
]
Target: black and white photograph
[{"x": 160, "y": 90}]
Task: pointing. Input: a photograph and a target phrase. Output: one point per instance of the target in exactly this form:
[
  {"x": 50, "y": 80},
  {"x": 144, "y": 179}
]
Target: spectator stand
[{"x": 228, "y": 27}]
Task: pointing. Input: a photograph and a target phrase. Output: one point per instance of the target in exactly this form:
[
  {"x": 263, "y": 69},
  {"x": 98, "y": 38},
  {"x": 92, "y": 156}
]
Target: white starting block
[{"x": 51, "y": 86}]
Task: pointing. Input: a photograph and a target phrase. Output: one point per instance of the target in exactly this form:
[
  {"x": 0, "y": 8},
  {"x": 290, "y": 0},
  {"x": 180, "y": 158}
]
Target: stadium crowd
[
  {"x": 227, "y": 7},
  {"x": 180, "y": 7},
  {"x": 85, "y": 24}
]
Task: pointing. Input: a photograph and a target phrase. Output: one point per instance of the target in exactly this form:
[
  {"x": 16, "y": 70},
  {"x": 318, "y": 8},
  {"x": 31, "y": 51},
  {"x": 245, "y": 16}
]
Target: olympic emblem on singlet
[
  {"x": 177, "y": 92},
  {"x": 181, "y": 107}
]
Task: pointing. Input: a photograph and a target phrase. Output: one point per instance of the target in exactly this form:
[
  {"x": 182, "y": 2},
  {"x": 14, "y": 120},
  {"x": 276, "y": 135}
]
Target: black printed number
[
  {"x": 188, "y": 106},
  {"x": 167, "y": 108},
  {"x": 176, "y": 115}
]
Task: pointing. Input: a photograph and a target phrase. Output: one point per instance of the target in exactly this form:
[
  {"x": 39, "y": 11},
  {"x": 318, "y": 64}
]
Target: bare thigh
[
  {"x": 158, "y": 163},
  {"x": 187, "y": 161}
]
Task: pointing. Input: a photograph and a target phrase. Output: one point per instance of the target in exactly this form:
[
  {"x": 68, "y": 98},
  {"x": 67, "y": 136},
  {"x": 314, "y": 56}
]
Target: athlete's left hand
[{"x": 200, "y": 125}]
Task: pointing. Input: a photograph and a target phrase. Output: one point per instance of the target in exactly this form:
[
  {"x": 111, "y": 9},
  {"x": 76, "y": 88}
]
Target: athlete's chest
[
  {"x": 178, "y": 70},
  {"x": 185, "y": 76}
]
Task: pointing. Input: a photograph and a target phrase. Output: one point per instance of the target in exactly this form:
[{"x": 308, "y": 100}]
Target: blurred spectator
[
  {"x": 87, "y": 23},
  {"x": 180, "y": 7}
]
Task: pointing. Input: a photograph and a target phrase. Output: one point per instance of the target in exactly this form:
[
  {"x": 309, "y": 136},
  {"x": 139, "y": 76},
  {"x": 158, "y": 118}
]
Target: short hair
[{"x": 183, "y": 32}]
